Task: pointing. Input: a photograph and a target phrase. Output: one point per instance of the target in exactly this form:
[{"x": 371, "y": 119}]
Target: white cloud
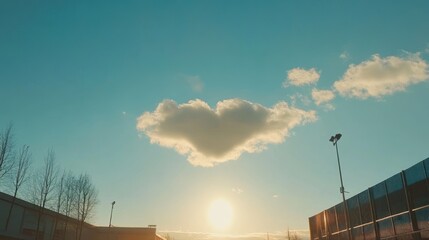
[
  {"x": 328, "y": 107},
  {"x": 322, "y": 96},
  {"x": 300, "y": 77},
  {"x": 378, "y": 76},
  {"x": 210, "y": 136},
  {"x": 195, "y": 82},
  {"x": 275, "y": 196},
  {"x": 345, "y": 56},
  {"x": 299, "y": 98}
]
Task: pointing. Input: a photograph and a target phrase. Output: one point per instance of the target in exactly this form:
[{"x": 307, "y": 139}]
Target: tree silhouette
[
  {"x": 60, "y": 196},
  {"x": 86, "y": 201},
  {"x": 45, "y": 183},
  {"x": 292, "y": 236},
  {"x": 6, "y": 151},
  {"x": 22, "y": 165},
  {"x": 69, "y": 198}
]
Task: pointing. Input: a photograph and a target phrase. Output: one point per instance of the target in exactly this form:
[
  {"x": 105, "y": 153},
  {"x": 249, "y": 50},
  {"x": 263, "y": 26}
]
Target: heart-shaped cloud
[{"x": 211, "y": 136}]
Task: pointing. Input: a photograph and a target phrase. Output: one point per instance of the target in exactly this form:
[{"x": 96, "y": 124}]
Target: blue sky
[{"x": 77, "y": 76}]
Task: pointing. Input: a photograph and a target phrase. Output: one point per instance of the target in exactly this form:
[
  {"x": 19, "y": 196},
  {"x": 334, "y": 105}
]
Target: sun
[{"x": 220, "y": 214}]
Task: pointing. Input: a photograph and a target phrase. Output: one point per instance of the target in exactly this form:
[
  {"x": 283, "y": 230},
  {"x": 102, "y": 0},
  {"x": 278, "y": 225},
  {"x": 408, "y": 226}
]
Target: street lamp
[
  {"x": 111, "y": 212},
  {"x": 334, "y": 140}
]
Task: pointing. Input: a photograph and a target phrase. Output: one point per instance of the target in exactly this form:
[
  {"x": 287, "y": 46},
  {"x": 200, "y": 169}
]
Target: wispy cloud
[
  {"x": 298, "y": 98},
  {"x": 195, "y": 83},
  {"x": 345, "y": 56},
  {"x": 237, "y": 190},
  {"x": 275, "y": 196},
  {"x": 278, "y": 235},
  {"x": 323, "y": 97},
  {"x": 300, "y": 77},
  {"x": 211, "y": 136},
  {"x": 379, "y": 76}
]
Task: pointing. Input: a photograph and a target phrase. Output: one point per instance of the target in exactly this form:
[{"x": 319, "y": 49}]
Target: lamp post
[
  {"x": 334, "y": 140},
  {"x": 111, "y": 213}
]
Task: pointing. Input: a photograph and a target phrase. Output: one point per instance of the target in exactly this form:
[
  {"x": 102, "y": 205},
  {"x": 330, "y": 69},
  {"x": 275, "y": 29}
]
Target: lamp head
[
  {"x": 338, "y": 136},
  {"x": 113, "y": 203},
  {"x": 334, "y": 139}
]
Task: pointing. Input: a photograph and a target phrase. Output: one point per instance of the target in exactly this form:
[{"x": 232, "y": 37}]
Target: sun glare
[{"x": 220, "y": 214}]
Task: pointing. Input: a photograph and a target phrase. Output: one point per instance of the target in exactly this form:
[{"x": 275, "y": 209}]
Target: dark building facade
[
  {"x": 397, "y": 208},
  {"x": 54, "y": 226}
]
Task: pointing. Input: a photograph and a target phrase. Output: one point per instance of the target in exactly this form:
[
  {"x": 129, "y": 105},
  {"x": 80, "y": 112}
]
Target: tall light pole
[
  {"x": 111, "y": 213},
  {"x": 334, "y": 140}
]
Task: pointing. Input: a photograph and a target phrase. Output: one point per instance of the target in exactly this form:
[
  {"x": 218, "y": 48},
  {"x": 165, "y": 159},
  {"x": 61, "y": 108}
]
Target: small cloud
[
  {"x": 345, "y": 56},
  {"x": 328, "y": 107},
  {"x": 211, "y": 136},
  {"x": 299, "y": 98},
  {"x": 322, "y": 96},
  {"x": 237, "y": 190},
  {"x": 124, "y": 113},
  {"x": 300, "y": 77},
  {"x": 379, "y": 76},
  {"x": 195, "y": 82},
  {"x": 275, "y": 196}
]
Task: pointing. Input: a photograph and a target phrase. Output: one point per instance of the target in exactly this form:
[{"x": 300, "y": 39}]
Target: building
[
  {"x": 397, "y": 208},
  {"x": 54, "y": 226}
]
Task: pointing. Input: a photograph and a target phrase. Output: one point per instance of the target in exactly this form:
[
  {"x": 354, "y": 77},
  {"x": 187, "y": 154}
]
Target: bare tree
[
  {"x": 86, "y": 201},
  {"x": 292, "y": 236},
  {"x": 6, "y": 151},
  {"x": 60, "y": 198},
  {"x": 60, "y": 191},
  {"x": 21, "y": 169},
  {"x": 69, "y": 198},
  {"x": 45, "y": 183}
]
